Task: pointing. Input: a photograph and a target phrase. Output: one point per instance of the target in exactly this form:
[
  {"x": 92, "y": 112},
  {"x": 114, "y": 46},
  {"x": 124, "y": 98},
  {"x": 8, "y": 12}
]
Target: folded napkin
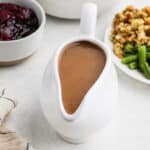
[
  {"x": 9, "y": 140},
  {"x": 7, "y": 103}
]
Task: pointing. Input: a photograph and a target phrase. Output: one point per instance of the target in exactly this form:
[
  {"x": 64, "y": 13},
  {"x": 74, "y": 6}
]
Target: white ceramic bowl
[
  {"x": 71, "y": 9},
  {"x": 12, "y": 52}
]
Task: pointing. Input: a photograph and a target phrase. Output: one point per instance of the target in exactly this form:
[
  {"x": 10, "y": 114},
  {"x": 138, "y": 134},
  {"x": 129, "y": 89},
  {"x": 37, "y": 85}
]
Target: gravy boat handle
[{"x": 88, "y": 19}]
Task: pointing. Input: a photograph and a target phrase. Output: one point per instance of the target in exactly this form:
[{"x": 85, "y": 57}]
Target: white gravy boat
[{"x": 97, "y": 107}]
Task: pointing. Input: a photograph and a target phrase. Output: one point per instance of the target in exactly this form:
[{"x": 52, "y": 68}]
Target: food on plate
[
  {"x": 16, "y": 21},
  {"x": 131, "y": 38}
]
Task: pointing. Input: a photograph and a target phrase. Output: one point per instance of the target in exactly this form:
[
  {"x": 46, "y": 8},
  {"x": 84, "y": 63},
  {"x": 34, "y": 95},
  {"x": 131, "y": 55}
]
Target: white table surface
[{"x": 130, "y": 127}]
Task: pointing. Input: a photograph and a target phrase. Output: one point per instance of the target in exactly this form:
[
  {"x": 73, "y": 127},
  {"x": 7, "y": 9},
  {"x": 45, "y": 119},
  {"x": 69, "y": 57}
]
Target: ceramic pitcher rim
[{"x": 67, "y": 116}]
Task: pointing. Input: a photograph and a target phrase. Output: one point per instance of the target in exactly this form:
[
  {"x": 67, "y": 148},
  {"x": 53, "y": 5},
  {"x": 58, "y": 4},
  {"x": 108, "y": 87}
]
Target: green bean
[
  {"x": 146, "y": 70},
  {"x": 148, "y": 48},
  {"x": 148, "y": 55},
  {"x": 133, "y": 65},
  {"x": 136, "y": 47},
  {"x": 129, "y": 48},
  {"x": 129, "y": 59},
  {"x": 126, "y": 54},
  {"x": 136, "y": 56},
  {"x": 142, "y": 56}
]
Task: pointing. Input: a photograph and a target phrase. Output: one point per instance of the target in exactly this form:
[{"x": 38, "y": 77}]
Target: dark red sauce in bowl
[{"x": 16, "y": 21}]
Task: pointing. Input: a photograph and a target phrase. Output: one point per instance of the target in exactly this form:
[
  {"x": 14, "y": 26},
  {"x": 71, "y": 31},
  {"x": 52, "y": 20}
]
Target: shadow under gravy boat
[{"x": 97, "y": 107}]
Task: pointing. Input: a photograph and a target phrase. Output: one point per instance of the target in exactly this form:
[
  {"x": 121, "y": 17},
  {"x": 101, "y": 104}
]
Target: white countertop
[{"x": 130, "y": 127}]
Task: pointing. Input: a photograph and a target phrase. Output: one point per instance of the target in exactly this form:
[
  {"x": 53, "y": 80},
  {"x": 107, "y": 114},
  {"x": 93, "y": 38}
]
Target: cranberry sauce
[{"x": 16, "y": 22}]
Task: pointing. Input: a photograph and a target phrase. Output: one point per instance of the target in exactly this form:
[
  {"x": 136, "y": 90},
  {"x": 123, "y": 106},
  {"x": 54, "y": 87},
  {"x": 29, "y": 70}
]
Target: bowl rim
[{"x": 43, "y": 20}]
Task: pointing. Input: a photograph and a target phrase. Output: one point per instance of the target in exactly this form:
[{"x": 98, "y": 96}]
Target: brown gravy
[{"x": 80, "y": 65}]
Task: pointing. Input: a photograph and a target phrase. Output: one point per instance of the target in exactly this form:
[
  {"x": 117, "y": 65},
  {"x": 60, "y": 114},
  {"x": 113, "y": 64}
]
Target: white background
[{"x": 130, "y": 127}]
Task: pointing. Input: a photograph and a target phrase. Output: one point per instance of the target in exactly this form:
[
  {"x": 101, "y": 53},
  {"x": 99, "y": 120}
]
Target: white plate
[{"x": 132, "y": 73}]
